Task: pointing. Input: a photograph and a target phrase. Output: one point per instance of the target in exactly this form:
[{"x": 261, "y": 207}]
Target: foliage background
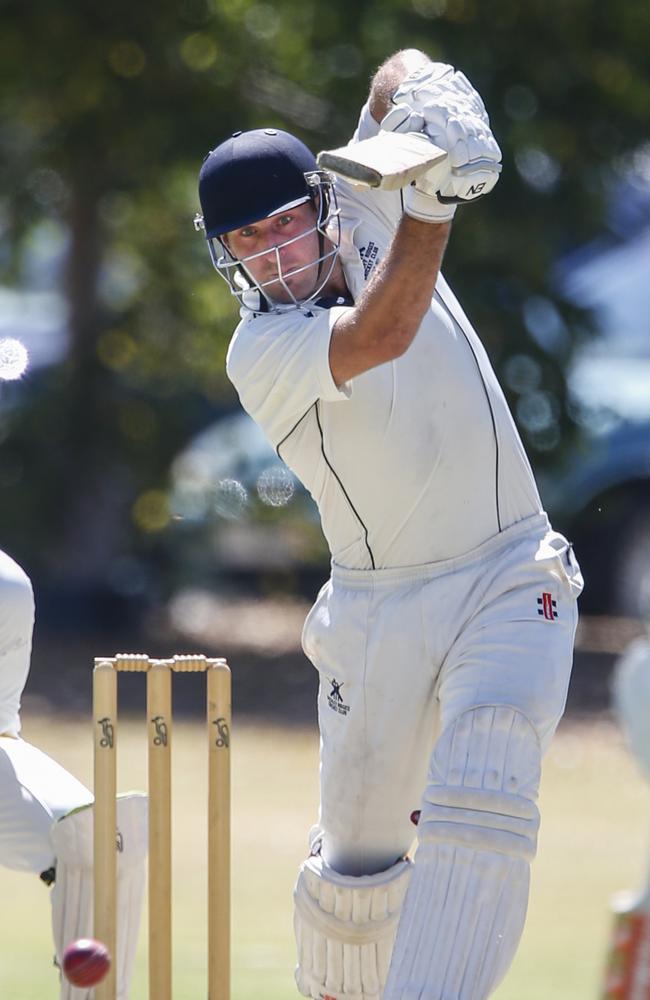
[{"x": 106, "y": 112}]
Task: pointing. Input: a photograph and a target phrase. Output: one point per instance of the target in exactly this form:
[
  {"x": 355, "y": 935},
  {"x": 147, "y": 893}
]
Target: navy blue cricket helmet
[{"x": 251, "y": 176}]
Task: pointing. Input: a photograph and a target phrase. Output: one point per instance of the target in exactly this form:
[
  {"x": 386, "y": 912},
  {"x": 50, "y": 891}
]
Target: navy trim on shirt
[
  {"x": 343, "y": 489},
  {"x": 329, "y": 465},
  {"x": 442, "y": 302}
]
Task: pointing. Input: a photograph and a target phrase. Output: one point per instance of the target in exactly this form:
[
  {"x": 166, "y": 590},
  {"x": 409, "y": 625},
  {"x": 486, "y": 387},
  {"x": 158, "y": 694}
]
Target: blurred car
[
  {"x": 243, "y": 515},
  {"x": 603, "y": 496},
  {"x": 601, "y": 501}
]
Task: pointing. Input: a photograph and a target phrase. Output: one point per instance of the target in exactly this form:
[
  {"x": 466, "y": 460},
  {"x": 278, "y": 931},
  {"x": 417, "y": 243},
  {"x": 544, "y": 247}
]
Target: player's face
[{"x": 297, "y": 259}]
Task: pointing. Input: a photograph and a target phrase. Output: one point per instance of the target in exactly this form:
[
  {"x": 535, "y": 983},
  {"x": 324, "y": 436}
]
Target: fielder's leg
[
  {"x": 465, "y": 908},
  {"x": 34, "y": 792},
  {"x": 46, "y": 827},
  {"x": 72, "y": 894}
]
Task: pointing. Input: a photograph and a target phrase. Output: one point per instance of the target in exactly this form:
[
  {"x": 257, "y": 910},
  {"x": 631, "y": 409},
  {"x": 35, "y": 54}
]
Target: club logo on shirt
[
  {"x": 335, "y": 698},
  {"x": 368, "y": 257},
  {"x": 546, "y": 606}
]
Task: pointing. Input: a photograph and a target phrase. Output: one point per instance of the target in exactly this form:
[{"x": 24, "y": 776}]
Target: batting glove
[
  {"x": 442, "y": 103},
  {"x": 474, "y": 157},
  {"x": 440, "y": 85},
  {"x": 424, "y": 205}
]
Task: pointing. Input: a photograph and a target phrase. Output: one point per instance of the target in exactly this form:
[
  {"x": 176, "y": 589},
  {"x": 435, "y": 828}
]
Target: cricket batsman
[
  {"x": 46, "y": 815},
  {"x": 444, "y": 636}
]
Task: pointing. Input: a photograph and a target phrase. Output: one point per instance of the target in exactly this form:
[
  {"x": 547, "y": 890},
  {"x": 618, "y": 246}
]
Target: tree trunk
[{"x": 89, "y": 514}]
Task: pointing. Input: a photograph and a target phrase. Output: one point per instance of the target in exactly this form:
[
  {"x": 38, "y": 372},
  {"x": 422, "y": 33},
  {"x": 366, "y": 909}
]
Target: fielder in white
[
  {"x": 444, "y": 636},
  {"x": 46, "y": 814}
]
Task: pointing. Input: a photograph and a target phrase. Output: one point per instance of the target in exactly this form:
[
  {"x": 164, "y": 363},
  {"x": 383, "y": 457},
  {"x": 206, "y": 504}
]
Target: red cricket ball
[{"x": 86, "y": 962}]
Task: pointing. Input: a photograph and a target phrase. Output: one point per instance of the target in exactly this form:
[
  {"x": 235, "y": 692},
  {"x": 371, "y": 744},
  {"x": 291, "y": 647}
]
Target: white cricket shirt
[{"x": 414, "y": 461}]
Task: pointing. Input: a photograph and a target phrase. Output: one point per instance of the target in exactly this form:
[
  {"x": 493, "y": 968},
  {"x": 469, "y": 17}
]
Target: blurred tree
[
  {"x": 106, "y": 115},
  {"x": 106, "y": 112}
]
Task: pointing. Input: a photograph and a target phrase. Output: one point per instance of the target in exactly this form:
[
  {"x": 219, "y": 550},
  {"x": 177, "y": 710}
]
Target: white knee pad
[
  {"x": 483, "y": 784},
  {"x": 345, "y": 928},
  {"x": 466, "y": 905},
  {"x": 72, "y": 893}
]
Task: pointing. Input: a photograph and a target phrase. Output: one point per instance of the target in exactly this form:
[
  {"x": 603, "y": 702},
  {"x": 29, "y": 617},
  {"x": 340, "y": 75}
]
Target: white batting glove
[
  {"x": 474, "y": 156},
  {"x": 442, "y": 103},
  {"x": 440, "y": 85},
  {"x": 470, "y": 171},
  {"x": 424, "y": 205},
  {"x": 402, "y": 118},
  {"x": 474, "y": 162}
]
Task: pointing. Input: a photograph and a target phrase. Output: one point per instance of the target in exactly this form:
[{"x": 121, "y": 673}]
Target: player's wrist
[{"x": 426, "y": 207}]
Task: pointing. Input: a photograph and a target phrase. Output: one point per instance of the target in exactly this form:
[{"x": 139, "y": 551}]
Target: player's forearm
[
  {"x": 389, "y": 76},
  {"x": 395, "y": 300},
  {"x": 388, "y": 314}
]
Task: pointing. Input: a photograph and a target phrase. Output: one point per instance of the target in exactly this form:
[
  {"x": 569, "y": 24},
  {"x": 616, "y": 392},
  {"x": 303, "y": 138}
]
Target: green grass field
[{"x": 594, "y": 841}]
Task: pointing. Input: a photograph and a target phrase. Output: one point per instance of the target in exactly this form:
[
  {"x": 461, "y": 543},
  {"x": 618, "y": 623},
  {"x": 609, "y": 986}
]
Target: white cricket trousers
[
  {"x": 35, "y": 791},
  {"x": 401, "y": 653}
]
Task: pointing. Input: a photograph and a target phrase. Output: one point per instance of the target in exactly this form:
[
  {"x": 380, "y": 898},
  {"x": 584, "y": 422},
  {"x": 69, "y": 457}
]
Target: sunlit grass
[{"x": 595, "y": 819}]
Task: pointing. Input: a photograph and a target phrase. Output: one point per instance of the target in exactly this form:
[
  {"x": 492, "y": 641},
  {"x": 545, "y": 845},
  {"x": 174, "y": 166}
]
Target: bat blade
[{"x": 388, "y": 161}]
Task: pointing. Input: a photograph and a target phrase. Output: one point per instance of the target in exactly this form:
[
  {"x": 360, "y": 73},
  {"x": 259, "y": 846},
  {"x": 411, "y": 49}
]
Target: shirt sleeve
[{"x": 279, "y": 365}]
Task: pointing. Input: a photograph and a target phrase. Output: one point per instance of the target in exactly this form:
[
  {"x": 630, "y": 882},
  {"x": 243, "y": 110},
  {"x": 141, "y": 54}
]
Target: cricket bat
[{"x": 388, "y": 161}]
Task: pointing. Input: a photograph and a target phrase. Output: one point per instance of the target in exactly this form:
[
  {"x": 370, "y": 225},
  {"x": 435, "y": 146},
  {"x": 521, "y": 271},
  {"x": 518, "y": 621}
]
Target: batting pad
[
  {"x": 345, "y": 927},
  {"x": 72, "y": 893},
  {"x": 466, "y": 905}
]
